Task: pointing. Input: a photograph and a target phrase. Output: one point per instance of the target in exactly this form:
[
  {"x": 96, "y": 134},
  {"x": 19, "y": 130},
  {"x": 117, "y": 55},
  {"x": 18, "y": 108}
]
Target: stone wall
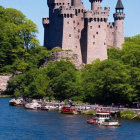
[
  {"x": 4, "y": 82},
  {"x": 58, "y": 55}
]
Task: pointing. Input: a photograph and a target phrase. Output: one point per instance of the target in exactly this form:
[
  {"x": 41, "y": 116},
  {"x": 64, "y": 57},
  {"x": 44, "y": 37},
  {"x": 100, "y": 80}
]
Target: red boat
[
  {"x": 103, "y": 118},
  {"x": 69, "y": 110}
]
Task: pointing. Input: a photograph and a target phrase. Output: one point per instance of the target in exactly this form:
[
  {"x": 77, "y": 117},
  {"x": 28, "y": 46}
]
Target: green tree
[
  {"x": 106, "y": 82},
  {"x": 17, "y": 35},
  {"x": 63, "y": 79}
]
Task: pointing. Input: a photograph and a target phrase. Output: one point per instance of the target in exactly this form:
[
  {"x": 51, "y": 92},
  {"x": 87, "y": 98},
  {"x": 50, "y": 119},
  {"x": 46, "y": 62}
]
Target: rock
[
  {"x": 58, "y": 55},
  {"x": 4, "y": 82}
]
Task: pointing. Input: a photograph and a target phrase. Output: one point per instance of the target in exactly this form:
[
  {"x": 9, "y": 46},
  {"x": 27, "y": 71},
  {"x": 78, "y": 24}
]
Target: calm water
[{"x": 20, "y": 124}]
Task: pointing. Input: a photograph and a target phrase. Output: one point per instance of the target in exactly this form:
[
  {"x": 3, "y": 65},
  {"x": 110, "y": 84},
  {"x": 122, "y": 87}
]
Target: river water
[{"x": 20, "y": 124}]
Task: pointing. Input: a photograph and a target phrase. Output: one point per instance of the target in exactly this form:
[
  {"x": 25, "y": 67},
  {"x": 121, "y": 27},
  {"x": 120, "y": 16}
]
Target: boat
[
  {"x": 103, "y": 118},
  {"x": 34, "y": 105},
  {"x": 16, "y": 102},
  {"x": 68, "y": 109},
  {"x": 45, "y": 107}
]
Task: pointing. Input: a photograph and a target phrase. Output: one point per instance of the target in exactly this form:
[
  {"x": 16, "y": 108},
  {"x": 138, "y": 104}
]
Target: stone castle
[{"x": 86, "y": 32}]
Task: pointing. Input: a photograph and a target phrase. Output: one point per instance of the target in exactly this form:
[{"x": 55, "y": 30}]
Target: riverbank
[
  {"x": 125, "y": 113},
  {"x": 130, "y": 114},
  {"x": 5, "y": 96}
]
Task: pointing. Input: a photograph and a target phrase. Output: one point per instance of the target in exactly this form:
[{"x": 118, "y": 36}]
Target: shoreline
[{"x": 123, "y": 113}]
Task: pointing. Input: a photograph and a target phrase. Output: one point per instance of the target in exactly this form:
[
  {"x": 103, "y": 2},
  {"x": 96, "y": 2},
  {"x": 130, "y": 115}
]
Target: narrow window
[
  {"x": 78, "y": 10},
  {"x": 69, "y": 35}
]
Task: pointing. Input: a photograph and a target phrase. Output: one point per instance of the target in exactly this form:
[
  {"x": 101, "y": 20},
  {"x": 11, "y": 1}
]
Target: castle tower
[
  {"x": 119, "y": 25},
  {"x": 95, "y": 4},
  {"x": 96, "y": 23}
]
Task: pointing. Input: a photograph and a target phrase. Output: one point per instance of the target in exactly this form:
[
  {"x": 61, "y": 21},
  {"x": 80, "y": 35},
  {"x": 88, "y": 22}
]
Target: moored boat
[
  {"x": 44, "y": 107},
  {"x": 103, "y": 118},
  {"x": 33, "y": 105},
  {"x": 16, "y": 102},
  {"x": 68, "y": 110}
]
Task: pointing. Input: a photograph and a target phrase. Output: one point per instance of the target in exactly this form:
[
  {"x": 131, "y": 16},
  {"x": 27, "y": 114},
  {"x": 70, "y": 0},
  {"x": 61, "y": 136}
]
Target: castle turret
[
  {"x": 119, "y": 25},
  {"x": 77, "y": 3},
  {"x": 95, "y": 4}
]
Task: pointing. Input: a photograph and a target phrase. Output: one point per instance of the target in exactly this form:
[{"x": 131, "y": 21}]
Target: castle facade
[{"x": 86, "y": 32}]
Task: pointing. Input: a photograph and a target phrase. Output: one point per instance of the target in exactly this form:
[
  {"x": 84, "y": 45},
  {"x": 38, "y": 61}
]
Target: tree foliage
[
  {"x": 115, "y": 80},
  {"x": 19, "y": 48}
]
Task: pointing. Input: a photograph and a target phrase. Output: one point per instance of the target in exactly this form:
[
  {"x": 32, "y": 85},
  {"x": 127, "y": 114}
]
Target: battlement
[
  {"x": 45, "y": 21},
  {"x": 107, "y": 9},
  {"x": 119, "y": 16},
  {"x": 67, "y": 12},
  {"x": 110, "y": 25},
  {"x": 96, "y": 15},
  {"x": 58, "y": 3}
]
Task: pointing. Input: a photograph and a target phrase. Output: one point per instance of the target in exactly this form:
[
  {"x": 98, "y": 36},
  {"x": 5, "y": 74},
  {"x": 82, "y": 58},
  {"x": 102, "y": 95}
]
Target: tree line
[{"x": 115, "y": 80}]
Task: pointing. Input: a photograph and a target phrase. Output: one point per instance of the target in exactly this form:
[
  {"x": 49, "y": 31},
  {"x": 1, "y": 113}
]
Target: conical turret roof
[{"x": 119, "y": 5}]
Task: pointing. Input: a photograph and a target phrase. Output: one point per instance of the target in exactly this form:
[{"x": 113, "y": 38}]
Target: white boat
[
  {"x": 16, "y": 102},
  {"x": 45, "y": 107},
  {"x": 52, "y": 107},
  {"x": 103, "y": 118},
  {"x": 33, "y": 105}
]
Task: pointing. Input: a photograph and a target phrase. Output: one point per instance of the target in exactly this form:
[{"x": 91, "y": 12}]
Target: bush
[
  {"x": 127, "y": 114},
  {"x": 91, "y": 112}
]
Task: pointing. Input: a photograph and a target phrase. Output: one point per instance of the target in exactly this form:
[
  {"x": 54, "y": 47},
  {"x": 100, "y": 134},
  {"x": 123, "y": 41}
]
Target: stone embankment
[
  {"x": 58, "y": 55},
  {"x": 3, "y": 82}
]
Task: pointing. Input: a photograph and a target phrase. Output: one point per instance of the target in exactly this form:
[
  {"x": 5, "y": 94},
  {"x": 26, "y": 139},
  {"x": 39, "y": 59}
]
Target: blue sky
[{"x": 36, "y": 9}]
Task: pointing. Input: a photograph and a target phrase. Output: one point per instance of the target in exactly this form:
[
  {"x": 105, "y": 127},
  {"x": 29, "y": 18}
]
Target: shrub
[
  {"x": 91, "y": 112},
  {"x": 127, "y": 114}
]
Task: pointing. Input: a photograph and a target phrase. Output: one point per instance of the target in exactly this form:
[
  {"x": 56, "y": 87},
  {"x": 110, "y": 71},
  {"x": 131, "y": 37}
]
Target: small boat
[
  {"x": 16, "y": 102},
  {"x": 103, "y": 118},
  {"x": 45, "y": 107},
  {"x": 69, "y": 110},
  {"x": 33, "y": 105}
]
